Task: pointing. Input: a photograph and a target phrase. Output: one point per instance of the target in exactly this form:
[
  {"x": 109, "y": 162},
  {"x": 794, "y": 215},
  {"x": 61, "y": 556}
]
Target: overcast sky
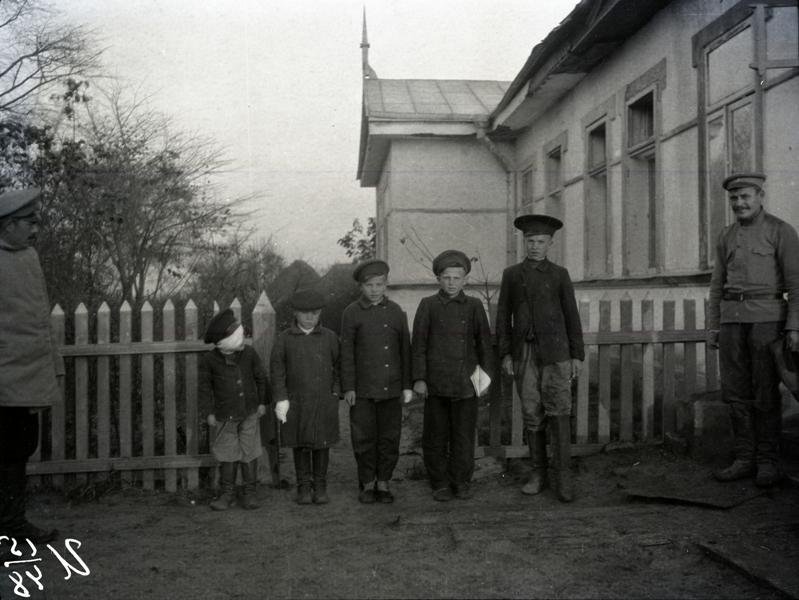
[{"x": 278, "y": 85}]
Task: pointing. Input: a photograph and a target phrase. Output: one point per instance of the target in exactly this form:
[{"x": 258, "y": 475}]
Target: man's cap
[
  {"x": 307, "y": 300},
  {"x": 451, "y": 258},
  {"x": 787, "y": 363},
  {"x": 369, "y": 268},
  {"x": 742, "y": 180},
  {"x": 219, "y": 325},
  {"x": 18, "y": 203},
  {"x": 537, "y": 224}
]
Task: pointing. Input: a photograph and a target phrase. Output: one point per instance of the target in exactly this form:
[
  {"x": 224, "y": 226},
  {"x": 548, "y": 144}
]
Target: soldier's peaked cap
[
  {"x": 742, "y": 180},
  {"x": 18, "y": 202},
  {"x": 537, "y": 224}
]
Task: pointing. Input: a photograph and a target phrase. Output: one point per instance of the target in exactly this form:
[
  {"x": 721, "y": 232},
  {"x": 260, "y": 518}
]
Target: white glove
[
  {"x": 407, "y": 396},
  {"x": 281, "y": 410}
]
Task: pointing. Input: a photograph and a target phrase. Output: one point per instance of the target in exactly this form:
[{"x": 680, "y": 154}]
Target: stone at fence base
[{"x": 709, "y": 430}]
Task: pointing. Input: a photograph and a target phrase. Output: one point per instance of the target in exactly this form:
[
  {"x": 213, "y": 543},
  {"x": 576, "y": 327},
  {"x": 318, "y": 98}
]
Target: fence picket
[
  {"x": 603, "y": 404},
  {"x": 125, "y": 372},
  {"x": 648, "y": 372},
  {"x": 669, "y": 372},
  {"x": 626, "y": 368},
  {"x": 103, "y": 384},
  {"x": 147, "y": 396},
  {"x": 170, "y": 410},
  {"x": 689, "y": 356},
  {"x": 58, "y": 412},
  {"x": 711, "y": 363},
  {"x": 583, "y": 383},
  {"x": 192, "y": 419},
  {"x": 81, "y": 390}
]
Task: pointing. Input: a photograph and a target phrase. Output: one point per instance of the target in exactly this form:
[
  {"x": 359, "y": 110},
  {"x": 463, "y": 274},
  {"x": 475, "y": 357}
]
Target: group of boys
[{"x": 378, "y": 366}]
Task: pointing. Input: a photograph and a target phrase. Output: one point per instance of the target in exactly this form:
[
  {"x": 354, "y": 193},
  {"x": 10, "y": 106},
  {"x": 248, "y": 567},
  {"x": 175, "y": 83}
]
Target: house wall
[
  {"x": 442, "y": 193},
  {"x": 667, "y": 38}
]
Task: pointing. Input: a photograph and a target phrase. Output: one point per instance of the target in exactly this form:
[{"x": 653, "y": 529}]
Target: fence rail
[{"x": 131, "y": 406}]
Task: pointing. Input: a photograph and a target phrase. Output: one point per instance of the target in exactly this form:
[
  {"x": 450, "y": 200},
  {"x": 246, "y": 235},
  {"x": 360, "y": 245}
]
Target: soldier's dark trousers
[
  {"x": 750, "y": 384},
  {"x": 448, "y": 440},
  {"x": 375, "y": 426},
  {"x": 19, "y": 436}
]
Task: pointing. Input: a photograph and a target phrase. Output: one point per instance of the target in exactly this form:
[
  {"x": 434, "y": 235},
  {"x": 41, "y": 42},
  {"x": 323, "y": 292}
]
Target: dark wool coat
[
  {"x": 555, "y": 320},
  {"x": 375, "y": 350},
  {"x": 29, "y": 360},
  {"x": 451, "y": 336},
  {"x": 304, "y": 371},
  {"x": 231, "y": 386}
]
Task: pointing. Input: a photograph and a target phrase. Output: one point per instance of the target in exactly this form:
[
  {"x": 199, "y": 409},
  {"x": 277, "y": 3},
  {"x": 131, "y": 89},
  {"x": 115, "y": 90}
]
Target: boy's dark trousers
[
  {"x": 448, "y": 440},
  {"x": 375, "y": 426},
  {"x": 311, "y": 466}
]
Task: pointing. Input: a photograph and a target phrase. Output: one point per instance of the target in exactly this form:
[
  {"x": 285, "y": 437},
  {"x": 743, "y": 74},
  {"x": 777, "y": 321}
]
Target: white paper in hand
[{"x": 480, "y": 380}]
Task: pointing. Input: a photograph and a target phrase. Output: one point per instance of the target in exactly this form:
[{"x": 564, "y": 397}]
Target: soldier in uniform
[
  {"x": 29, "y": 360},
  {"x": 541, "y": 346},
  {"x": 757, "y": 261}
]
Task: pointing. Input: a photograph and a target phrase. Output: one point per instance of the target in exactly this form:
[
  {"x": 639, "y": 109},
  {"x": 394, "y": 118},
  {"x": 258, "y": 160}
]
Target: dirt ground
[{"x": 498, "y": 545}]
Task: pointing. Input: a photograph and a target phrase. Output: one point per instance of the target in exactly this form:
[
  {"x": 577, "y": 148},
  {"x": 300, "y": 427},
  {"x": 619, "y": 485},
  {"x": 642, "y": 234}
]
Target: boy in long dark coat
[
  {"x": 451, "y": 337},
  {"x": 234, "y": 392},
  {"x": 304, "y": 369},
  {"x": 375, "y": 376}
]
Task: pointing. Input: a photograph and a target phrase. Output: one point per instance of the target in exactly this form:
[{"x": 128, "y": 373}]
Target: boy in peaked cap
[
  {"x": 304, "y": 368},
  {"x": 233, "y": 391},
  {"x": 451, "y": 337},
  {"x": 541, "y": 345},
  {"x": 375, "y": 377}
]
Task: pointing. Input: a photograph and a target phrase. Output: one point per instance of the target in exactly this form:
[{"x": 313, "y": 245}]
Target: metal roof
[{"x": 431, "y": 99}]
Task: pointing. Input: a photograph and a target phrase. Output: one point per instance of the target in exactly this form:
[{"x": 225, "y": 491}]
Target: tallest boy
[{"x": 541, "y": 345}]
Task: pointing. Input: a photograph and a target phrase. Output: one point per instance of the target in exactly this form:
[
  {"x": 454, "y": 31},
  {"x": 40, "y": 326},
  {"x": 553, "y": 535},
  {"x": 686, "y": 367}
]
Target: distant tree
[
  {"x": 360, "y": 245},
  {"x": 39, "y": 52}
]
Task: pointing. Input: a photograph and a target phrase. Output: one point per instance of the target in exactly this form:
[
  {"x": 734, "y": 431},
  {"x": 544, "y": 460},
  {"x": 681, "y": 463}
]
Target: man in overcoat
[
  {"x": 541, "y": 345},
  {"x": 756, "y": 263},
  {"x": 29, "y": 359}
]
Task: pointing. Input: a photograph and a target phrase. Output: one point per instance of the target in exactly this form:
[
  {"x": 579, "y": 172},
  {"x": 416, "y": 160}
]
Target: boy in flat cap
[
  {"x": 234, "y": 391},
  {"x": 375, "y": 377},
  {"x": 541, "y": 345},
  {"x": 304, "y": 368},
  {"x": 757, "y": 261},
  {"x": 451, "y": 337},
  {"x": 29, "y": 359}
]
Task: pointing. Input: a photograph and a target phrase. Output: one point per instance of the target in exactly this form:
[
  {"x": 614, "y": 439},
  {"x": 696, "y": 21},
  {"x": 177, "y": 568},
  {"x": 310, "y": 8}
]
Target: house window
[
  {"x": 553, "y": 204},
  {"x": 641, "y": 223},
  {"x": 527, "y": 190},
  {"x": 739, "y": 56},
  {"x": 598, "y": 260}
]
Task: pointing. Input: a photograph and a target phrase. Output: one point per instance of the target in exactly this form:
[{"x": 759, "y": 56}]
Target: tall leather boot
[
  {"x": 321, "y": 459},
  {"x": 302, "y": 467},
  {"x": 560, "y": 433},
  {"x": 768, "y": 427},
  {"x": 537, "y": 442},
  {"x": 227, "y": 482},
  {"x": 13, "y": 499},
  {"x": 249, "y": 472},
  {"x": 744, "y": 433}
]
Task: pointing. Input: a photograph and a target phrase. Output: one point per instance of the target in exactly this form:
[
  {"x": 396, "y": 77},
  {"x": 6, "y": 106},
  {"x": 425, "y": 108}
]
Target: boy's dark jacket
[
  {"x": 232, "y": 386},
  {"x": 304, "y": 370},
  {"x": 451, "y": 336}
]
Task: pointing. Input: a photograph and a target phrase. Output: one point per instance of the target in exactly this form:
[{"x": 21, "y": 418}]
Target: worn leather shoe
[
  {"x": 442, "y": 494},
  {"x": 320, "y": 494},
  {"x": 463, "y": 491},
  {"x": 767, "y": 475},
  {"x": 535, "y": 484},
  {"x": 366, "y": 496},
  {"x": 304, "y": 494},
  {"x": 739, "y": 469}
]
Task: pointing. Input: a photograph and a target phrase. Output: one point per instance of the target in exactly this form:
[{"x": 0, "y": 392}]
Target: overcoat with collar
[{"x": 553, "y": 322}]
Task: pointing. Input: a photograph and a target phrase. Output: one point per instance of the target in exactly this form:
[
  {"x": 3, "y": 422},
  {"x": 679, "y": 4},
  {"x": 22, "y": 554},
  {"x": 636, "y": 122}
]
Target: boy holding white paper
[{"x": 451, "y": 343}]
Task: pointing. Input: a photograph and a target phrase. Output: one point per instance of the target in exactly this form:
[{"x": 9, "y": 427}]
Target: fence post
[
  {"x": 627, "y": 367},
  {"x": 689, "y": 351},
  {"x": 103, "y": 384},
  {"x": 58, "y": 412},
  {"x": 170, "y": 412},
  {"x": 583, "y": 383},
  {"x": 648, "y": 371},
  {"x": 125, "y": 363},
  {"x": 147, "y": 407},
  {"x": 263, "y": 338},
  {"x": 603, "y": 406},
  {"x": 81, "y": 390},
  {"x": 236, "y": 308},
  {"x": 711, "y": 363},
  {"x": 669, "y": 372},
  {"x": 192, "y": 419}
]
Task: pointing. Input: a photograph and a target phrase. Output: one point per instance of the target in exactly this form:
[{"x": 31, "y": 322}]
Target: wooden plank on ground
[
  {"x": 125, "y": 374},
  {"x": 192, "y": 418},
  {"x": 648, "y": 372},
  {"x": 603, "y": 405},
  {"x": 147, "y": 398},
  {"x": 81, "y": 389},
  {"x": 584, "y": 380},
  {"x": 627, "y": 372},
  {"x": 170, "y": 410},
  {"x": 669, "y": 371}
]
